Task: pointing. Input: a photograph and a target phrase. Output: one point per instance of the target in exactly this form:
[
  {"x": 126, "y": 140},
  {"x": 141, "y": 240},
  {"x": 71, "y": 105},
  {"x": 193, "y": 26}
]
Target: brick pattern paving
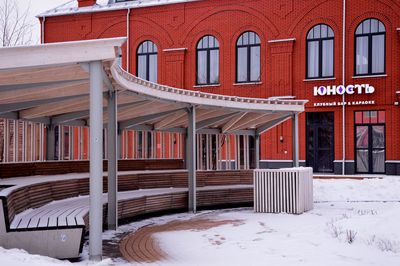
[{"x": 142, "y": 247}]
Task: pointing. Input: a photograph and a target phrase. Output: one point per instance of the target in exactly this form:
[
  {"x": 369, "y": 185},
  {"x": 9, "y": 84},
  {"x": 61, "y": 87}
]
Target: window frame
[
  {"x": 208, "y": 61},
  {"x": 248, "y": 51},
  {"x": 320, "y": 41},
  {"x": 147, "y": 55},
  {"x": 370, "y": 38}
]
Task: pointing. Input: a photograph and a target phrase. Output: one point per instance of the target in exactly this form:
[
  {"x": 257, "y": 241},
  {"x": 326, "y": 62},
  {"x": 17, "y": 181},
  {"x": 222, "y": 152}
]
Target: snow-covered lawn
[{"x": 353, "y": 223}]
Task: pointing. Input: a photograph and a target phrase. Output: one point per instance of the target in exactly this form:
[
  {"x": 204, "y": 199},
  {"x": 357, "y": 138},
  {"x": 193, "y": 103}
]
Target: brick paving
[{"x": 142, "y": 247}]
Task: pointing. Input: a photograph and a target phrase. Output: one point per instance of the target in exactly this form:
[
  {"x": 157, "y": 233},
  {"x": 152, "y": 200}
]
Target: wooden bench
[{"x": 49, "y": 215}]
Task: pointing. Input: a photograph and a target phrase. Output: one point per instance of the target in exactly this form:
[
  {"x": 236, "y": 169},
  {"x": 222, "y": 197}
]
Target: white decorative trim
[
  {"x": 276, "y": 161},
  {"x": 398, "y": 29},
  {"x": 317, "y": 79},
  {"x": 370, "y": 76},
  {"x": 392, "y": 161},
  {"x": 205, "y": 85},
  {"x": 247, "y": 83},
  {"x": 174, "y": 49},
  {"x": 282, "y": 40}
]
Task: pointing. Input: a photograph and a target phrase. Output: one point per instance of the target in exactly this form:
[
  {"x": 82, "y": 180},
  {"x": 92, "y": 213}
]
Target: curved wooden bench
[{"x": 66, "y": 219}]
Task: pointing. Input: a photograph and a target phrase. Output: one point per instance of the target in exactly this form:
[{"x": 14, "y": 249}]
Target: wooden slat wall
[{"x": 8, "y": 170}]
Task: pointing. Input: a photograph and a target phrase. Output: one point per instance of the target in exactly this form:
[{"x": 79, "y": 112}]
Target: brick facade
[{"x": 283, "y": 64}]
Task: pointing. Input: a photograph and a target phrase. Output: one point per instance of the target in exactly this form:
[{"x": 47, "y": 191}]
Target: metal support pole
[
  {"x": 112, "y": 161},
  {"x": 96, "y": 161},
  {"x": 191, "y": 157},
  {"x": 257, "y": 151},
  {"x": 295, "y": 136},
  {"x": 50, "y": 143}
]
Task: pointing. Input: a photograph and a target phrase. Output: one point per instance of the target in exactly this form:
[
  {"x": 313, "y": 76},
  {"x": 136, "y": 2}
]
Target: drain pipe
[
  {"x": 127, "y": 37},
  {"x": 44, "y": 20},
  {"x": 344, "y": 84}
]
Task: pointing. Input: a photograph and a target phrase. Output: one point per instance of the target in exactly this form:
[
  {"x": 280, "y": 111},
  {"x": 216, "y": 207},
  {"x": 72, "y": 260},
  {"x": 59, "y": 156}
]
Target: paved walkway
[{"x": 142, "y": 247}]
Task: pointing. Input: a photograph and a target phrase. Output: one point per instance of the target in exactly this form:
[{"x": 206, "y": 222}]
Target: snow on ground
[{"x": 354, "y": 223}]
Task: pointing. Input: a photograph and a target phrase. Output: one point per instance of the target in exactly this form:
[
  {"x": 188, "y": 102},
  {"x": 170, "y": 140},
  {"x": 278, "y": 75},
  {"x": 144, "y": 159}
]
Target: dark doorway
[{"x": 320, "y": 141}]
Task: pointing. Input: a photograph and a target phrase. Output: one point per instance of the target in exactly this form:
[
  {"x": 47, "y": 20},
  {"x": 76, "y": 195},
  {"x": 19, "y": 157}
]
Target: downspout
[
  {"x": 127, "y": 36},
  {"x": 344, "y": 84},
  {"x": 44, "y": 20}
]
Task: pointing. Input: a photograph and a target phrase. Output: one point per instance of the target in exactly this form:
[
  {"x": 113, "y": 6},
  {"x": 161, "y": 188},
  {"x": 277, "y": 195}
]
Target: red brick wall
[{"x": 282, "y": 64}]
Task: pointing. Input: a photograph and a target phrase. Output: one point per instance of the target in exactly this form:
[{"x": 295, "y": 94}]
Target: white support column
[
  {"x": 295, "y": 136},
  {"x": 257, "y": 151},
  {"x": 191, "y": 157},
  {"x": 112, "y": 161},
  {"x": 96, "y": 161}
]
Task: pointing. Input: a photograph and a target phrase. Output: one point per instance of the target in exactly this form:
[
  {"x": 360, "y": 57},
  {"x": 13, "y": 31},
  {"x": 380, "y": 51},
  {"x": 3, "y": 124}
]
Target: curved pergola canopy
[{"x": 50, "y": 84}]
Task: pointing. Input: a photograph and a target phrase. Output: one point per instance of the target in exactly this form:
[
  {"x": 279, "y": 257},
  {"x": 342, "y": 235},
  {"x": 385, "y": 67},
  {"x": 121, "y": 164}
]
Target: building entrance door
[
  {"x": 320, "y": 141},
  {"x": 370, "y": 142}
]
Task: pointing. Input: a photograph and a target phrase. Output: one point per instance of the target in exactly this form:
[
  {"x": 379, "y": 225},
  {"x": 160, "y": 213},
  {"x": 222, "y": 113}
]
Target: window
[
  {"x": 320, "y": 52},
  {"x": 370, "y": 48},
  {"x": 208, "y": 61},
  {"x": 370, "y": 141},
  {"x": 248, "y": 64},
  {"x": 147, "y": 61}
]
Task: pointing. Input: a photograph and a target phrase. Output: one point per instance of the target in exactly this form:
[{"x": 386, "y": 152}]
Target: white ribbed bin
[{"x": 288, "y": 190}]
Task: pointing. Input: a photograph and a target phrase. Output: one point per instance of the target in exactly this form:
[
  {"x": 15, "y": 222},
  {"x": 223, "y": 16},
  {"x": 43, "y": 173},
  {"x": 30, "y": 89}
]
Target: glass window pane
[
  {"x": 382, "y": 117},
  {"x": 330, "y": 32},
  {"x": 362, "y": 161},
  {"x": 142, "y": 67},
  {"x": 358, "y": 117},
  {"x": 374, "y": 26},
  {"x": 374, "y": 117},
  {"x": 359, "y": 29},
  {"x": 317, "y": 31},
  {"x": 310, "y": 34},
  {"x": 378, "y": 161},
  {"x": 324, "y": 31},
  {"x": 378, "y": 136},
  {"x": 153, "y": 68},
  {"x": 202, "y": 67},
  {"x": 313, "y": 59},
  {"x": 216, "y": 43},
  {"x": 362, "y": 137},
  {"x": 378, "y": 54},
  {"x": 366, "y": 119},
  {"x": 240, "y": 41},
  {"x": 381, "y": 27},
  {"x": 366, "y": 26},
  {"x": 362, "y": 55},
  {"x": 255, "y": 63},
  {"x": 325, "y": 137},
  {"x": 214, "y": 66},
  {"x": 257, "y": 39},
  {"x": 145, "y": 45},
  {"x": 242, "y": 64},
  {"x": 327, "y": 58},
  {"x": 246, "y": 38}
]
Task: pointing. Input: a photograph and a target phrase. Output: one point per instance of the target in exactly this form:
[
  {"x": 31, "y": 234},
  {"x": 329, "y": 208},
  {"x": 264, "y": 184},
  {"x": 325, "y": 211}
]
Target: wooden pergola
[{"x": 81, "y": 83}]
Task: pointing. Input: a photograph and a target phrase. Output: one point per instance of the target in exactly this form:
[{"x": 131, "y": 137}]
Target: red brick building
[{"x": 269, "y": 48}]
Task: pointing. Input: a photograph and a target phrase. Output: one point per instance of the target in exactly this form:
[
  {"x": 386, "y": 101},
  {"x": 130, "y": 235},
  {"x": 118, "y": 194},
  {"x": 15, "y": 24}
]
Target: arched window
[
  {"x": 248, "y": 49},
  {"x": 147, "y": 61},
  {"x": 370, "y": 48},
  {"x": 320, "y": 52},
  {"x": 207, "y": 61}
]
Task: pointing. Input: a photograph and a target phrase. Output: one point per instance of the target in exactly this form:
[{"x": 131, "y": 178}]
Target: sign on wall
[{"x": 360, "y": 89}]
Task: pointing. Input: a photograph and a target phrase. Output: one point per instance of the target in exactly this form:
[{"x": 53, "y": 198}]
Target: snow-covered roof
[{"x": 71, "y": 7}]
